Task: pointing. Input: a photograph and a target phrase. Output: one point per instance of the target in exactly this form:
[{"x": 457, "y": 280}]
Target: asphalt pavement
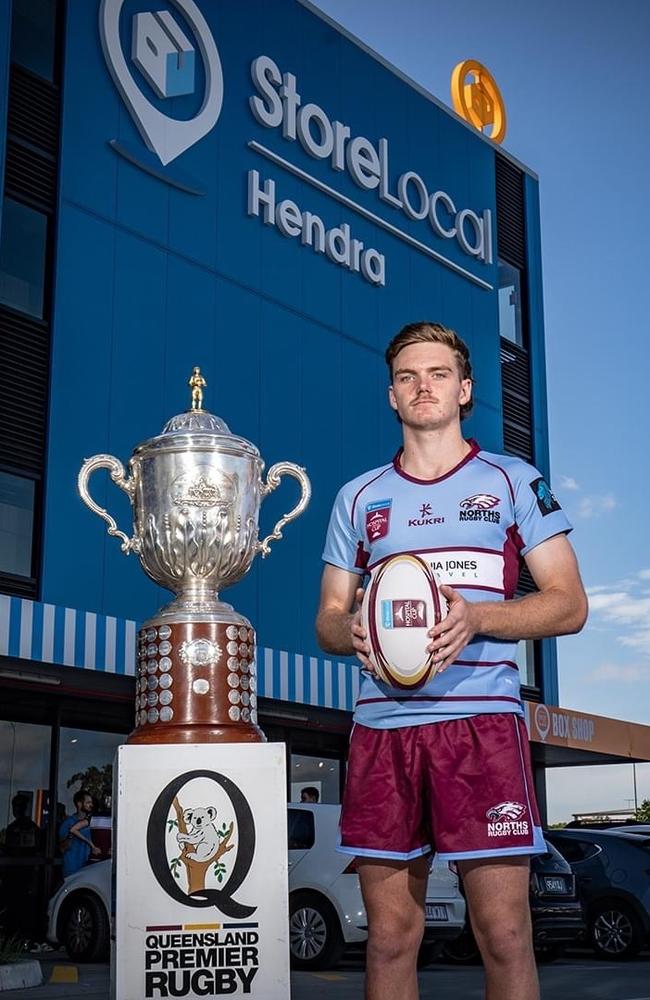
[{"x": 577, "y": 976}]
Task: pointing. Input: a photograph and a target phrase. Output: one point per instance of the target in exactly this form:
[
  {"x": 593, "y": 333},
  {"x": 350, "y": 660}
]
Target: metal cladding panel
[
  {"x": 5, "y": 42},
  {"x": 152, "y": 279}
]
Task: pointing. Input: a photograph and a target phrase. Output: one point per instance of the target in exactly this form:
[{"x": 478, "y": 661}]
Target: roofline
[{"x": 415, "y": 85}]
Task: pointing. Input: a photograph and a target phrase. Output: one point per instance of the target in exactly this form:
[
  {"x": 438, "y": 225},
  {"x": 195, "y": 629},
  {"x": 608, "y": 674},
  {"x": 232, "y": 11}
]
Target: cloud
[
  {"x": 625, "y": 607},
  {"x": 644, "y": 574},
  {"x": 568, "y": 483},
  {"x": 622, "y": 673},
  {"x": 594, "y": 506}
]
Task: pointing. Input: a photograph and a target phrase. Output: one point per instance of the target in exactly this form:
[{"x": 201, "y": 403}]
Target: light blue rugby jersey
[{"x": 473, "y": 526}]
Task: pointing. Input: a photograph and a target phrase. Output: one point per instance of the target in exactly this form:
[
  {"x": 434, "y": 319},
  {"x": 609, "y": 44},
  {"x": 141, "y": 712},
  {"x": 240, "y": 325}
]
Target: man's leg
[
  {"x": 393, "y": 893},
  {"x": 497, "y": 897}
]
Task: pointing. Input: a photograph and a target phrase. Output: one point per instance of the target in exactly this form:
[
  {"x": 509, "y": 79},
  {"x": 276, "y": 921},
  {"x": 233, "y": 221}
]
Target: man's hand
[
  {"x": 455, "y": 631},
  {"x": 360, "y": 636},
  {"x": 95, "y": 850}
]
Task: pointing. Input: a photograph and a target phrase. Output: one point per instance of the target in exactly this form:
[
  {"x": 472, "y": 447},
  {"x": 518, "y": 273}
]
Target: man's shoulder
[
  {"x": 512, "y": 467},
  {"x": 353, "y": 487}
]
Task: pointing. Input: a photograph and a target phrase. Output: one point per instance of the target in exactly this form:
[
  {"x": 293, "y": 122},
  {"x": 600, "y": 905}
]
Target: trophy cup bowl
[{"x": 196, "y": 491}]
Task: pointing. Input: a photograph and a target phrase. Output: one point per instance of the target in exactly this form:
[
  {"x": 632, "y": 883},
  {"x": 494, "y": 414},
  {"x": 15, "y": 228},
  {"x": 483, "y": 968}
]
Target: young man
[
  {"x": 76, "y": 844},
  {"x": 446, "y": 767}
]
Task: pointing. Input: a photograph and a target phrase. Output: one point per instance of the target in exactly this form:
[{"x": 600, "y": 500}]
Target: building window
[
  {"x": 22, "y": 258},
  {"x": 24, "y": 781},
  {"x": 510, "y": 319},
  {"x": 16, "y": 524},
  {"x": 86, "y": 762},
  {"x": 321, "y": 773},
  {"x": 526, "y": 661},
  {"x": 33, "y": 29}
]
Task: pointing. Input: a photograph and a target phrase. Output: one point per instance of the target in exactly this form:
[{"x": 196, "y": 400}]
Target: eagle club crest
[
  {"x": 506, "y": 811},
  {"x": 378, "y": 519},
  {"x": 480, "y": 501},
  {"x": 480, "y": 507}
]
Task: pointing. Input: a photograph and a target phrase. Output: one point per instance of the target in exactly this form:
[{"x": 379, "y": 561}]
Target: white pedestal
[{"x": 230, "y": 936}]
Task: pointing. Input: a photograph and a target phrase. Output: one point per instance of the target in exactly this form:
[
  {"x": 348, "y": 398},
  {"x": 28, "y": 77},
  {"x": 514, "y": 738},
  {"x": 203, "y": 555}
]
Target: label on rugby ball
[{"x": 408, "y": 613}]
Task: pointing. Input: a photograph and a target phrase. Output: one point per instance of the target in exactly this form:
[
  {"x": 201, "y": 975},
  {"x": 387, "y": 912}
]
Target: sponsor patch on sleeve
[{"x": 546, "y": 500}]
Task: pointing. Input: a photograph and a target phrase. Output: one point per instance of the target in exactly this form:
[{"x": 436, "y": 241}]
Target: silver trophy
[{"x": 196, "y": 491}]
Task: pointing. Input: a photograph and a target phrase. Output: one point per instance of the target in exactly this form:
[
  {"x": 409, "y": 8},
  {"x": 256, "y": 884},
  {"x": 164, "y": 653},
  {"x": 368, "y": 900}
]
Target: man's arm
[
  {"x": 559, "y": 608},
  {"x": 338, "y": 623}
]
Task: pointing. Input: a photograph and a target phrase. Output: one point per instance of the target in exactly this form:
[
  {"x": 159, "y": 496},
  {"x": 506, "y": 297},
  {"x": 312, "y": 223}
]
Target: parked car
[
  {"x": 641, "y": 828},
  {"x": 78, "y": 913},
  {"x": 555, "y": 910},
  {"x": 325, "y": 904},
  {"x": 613, "y": 873},
  {"x": 326, "y": 911}
]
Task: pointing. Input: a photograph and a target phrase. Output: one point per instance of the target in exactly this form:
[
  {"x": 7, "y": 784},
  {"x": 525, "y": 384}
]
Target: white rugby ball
[{"x": 401, "y": 603}]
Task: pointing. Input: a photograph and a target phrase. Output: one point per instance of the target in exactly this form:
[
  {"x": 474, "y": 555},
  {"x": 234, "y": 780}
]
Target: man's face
[
  {"x": 427, "y": 390},
  {"x": 87, "y": 804}
]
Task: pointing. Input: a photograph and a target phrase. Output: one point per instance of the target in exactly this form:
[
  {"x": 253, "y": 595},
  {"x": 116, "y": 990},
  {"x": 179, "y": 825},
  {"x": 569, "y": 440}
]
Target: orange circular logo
[{"x": 477, "y": 98}]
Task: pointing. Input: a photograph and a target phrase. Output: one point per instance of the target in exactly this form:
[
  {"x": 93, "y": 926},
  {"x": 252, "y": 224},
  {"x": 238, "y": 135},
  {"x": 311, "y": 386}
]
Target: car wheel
[
  {"x": 84, "y": 929},
  {"x": 615, "y": 931},
  {"x": 315, "y": 937},
  {"x": 462, "y": 950}
]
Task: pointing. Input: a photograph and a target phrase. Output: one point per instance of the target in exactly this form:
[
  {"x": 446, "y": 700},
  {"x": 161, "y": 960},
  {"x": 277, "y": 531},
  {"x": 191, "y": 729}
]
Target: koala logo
[
  {"x": 243, "y": 851},
  {"x": 202, "y": 833}
]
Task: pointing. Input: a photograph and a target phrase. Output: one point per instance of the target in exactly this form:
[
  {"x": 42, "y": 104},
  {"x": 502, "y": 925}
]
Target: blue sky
[{"x": 574, "y": 79}]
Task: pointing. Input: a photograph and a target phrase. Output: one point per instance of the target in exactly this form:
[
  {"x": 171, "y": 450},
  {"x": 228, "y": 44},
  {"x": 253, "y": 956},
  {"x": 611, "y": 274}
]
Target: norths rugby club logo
[
  {"x": 480, "y": 507},
  {"x": 507, "y": 820}
]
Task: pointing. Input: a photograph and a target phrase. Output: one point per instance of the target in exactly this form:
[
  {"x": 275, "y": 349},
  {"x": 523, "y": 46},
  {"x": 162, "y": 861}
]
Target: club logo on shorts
[
  {"x": 378, "y": 519},
  {"x": 480, "y": 507},
  {"x": 506, "y": 820}
]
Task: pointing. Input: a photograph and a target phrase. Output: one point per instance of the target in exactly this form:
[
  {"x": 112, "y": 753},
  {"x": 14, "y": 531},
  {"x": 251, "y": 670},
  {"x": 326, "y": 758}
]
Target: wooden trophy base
[{"x": 196, "y": 683}]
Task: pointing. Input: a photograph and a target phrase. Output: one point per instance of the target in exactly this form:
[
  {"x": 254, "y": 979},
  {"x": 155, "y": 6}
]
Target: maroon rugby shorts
[{"x": 462, "y": 787}]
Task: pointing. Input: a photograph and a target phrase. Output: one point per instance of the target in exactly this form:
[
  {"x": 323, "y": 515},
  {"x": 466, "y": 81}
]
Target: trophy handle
[
  {"x": 116, "y": 470},
  {"x": 273, "y": 478}
]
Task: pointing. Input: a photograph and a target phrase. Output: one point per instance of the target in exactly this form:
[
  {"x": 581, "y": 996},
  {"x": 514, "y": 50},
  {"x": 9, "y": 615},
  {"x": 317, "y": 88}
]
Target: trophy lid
[{"x": 197, "y": 426}]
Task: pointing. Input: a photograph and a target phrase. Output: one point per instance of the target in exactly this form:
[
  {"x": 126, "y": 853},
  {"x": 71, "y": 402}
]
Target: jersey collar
[{"x": 474, "y": 450}]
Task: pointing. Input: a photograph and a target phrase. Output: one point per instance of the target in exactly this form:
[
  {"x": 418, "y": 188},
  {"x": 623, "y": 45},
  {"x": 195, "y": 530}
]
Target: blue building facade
[{"x": 249, "y": 189}]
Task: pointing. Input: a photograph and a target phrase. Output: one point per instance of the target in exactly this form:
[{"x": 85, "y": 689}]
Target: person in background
[
  {"x": 309, "y": 794},
  {"x": 74, "y": 835}
]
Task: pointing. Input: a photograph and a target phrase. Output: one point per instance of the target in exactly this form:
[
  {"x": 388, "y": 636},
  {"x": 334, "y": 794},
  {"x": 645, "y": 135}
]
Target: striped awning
[{"x": 46, "y": 633}]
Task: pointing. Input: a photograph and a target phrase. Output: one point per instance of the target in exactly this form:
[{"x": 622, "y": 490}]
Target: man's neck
[{"x": 432, "y": 454}]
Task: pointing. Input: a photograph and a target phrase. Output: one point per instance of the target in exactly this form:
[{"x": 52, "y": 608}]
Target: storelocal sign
[{"x": 165, "y": 49}]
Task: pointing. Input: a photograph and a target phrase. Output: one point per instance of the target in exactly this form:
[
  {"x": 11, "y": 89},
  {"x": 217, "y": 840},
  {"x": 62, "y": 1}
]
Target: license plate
[
  {"x": 434, "y": 912},
  {"x": 556, "y": 884}
]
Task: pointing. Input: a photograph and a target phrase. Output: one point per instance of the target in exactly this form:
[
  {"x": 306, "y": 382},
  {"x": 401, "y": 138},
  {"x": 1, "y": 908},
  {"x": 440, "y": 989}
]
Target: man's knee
[
  {"x": 389, "y": 939},
  {"x": 505, "y": 941}
]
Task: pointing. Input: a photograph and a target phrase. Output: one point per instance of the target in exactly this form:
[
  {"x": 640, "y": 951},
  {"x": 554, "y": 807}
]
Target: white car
[
  {"x": 326, "y": 911},
  {"x": 325, "y": 904}
]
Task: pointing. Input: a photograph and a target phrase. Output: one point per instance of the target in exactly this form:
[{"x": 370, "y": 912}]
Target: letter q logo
[{"x": 166, "y": 58}]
